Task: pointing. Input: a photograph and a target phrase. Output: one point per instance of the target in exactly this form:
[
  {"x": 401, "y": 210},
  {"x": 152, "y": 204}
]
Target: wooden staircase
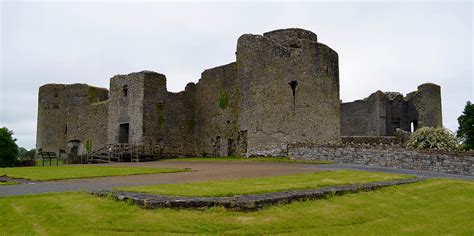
[{"x": 121, "y": 152}]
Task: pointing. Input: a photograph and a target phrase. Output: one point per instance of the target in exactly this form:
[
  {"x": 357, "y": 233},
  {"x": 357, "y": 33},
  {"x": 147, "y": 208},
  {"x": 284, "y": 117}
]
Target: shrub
[{"x": 433, "y": 138}]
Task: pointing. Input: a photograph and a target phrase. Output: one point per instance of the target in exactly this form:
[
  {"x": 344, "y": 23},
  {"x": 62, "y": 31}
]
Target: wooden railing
[{"x": 119, "y": 152}]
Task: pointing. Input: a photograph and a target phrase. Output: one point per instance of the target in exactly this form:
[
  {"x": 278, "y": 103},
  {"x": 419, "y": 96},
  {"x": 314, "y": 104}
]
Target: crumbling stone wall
[
  {"x": 382, "y": 113},
  {"x": 70, "y": 112},
  {"x": 169, "y": 118},
  {"x": 362, "y": 117},
  {"x": 217, "y": 112}
]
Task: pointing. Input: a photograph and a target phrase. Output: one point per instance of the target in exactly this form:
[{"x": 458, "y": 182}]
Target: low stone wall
[
  {"x": 250, "y": 202},
  {"x": 386, "y": 156},
  {"x": 369, "y": 140}
]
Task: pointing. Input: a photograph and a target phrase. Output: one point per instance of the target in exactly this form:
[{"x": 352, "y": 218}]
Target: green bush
[{"x": 433, "y": 138}]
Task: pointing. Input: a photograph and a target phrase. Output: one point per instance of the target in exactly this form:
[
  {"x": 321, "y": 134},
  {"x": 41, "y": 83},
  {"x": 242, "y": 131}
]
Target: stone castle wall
[
  {"x": 427, "y": 103},
  {"x": 126, "y": 106},
  {"x": 71, "y": 112},
  {"x": 283, "y": 88},
  {"x": 382, "y": 113},
  {"x": 217, "y": 112},
  {"x": 386, "y": 156},
  {"x": 273, "y": 112}
]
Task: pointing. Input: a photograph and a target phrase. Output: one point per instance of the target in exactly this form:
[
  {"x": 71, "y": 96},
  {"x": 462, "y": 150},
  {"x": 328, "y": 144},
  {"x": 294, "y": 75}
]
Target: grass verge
[
  {"x": 7, "y": 183},
  {"x": 428, "y": 207},
  {"x": 245, "y": 159},
  {"x": 47, "y": 162},
  {"x": 266, "y": 184},
  {"x": 75, "y": 172}
]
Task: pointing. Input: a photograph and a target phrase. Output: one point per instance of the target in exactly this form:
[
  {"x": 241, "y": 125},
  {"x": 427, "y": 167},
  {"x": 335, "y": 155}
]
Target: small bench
[{"x": 50, "y": 156}]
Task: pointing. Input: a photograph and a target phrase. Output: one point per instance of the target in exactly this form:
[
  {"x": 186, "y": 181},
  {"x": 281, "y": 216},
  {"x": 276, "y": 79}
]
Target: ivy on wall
[
  {"x": 92, "y": 95},
  {"x": 89, "y": 145},
  {"x": 223, "y": 99}
]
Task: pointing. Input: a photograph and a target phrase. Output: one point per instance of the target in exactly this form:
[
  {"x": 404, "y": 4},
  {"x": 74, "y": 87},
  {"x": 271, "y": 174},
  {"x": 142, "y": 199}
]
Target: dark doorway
[{"x": 124, "y": 132}]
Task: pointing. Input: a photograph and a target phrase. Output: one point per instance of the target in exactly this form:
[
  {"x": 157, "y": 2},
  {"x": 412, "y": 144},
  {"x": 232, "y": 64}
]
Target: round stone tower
[
  {"x": 51, "y": 126},
  {"x": 289, "y": 88},
  {"x": 428, "y": 105}
]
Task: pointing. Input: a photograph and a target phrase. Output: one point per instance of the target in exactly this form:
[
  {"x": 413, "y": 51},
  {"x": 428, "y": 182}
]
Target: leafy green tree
[
  {"x": 466, "y": 126},
  {"x": 21, "y": 152},
  {"x": 25, "y": 157},
  {"x": 8, "y": 148},
  {"x": 24, "y": 154}
]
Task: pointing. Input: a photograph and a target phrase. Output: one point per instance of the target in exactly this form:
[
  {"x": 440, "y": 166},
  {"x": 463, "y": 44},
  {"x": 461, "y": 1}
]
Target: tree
[
  {"x": 8, "y": 148},
  {"x": 24, "y": 154},
  {"x": 25, "y": 157},
  {"x": 21, "y": 152},
  {"x": 466, "y": 126}
]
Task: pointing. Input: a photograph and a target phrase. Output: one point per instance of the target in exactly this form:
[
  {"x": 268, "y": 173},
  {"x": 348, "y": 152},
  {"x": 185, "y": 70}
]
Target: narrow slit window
[
  {"x": 125, "y": 90},
  {"x": 293, "y": 85}
]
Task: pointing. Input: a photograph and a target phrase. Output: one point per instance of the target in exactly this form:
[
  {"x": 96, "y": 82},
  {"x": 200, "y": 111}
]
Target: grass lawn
[
  {"x": 75, "y": 171},
  {"x": 46, "y": 162},
  {"x": 429, "y": 207},
  {"x": 244, "y": 159},
  {"x": 266, "y": 184}
]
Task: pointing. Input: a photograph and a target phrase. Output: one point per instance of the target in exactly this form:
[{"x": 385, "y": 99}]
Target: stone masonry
[
  {"x": 283, "y": 88},
  {"x": 384, "y": 155},
  {"x": 382, "y": 113}
]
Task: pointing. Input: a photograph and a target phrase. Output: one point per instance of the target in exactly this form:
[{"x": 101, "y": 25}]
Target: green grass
[
  {"x": 245, "y": 159},
  {"x": 266, "y": 184},
  {"x": 7, "y": 183},
  {"x": 429, "y": 207},
  {"x": 47, "y": 162},
  {"x": 75, "y": 172}
]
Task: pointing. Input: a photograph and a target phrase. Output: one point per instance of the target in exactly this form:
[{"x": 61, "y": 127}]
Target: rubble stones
[{"x": 250, "y": 202}]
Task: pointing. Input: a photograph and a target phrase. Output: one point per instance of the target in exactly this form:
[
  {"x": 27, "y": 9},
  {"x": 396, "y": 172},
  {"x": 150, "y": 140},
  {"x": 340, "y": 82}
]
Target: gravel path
[{"x": 202, "y": 171}]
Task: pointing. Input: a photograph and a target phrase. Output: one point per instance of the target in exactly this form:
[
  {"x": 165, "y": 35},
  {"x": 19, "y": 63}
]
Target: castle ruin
[{"x": 283, "y": 88}]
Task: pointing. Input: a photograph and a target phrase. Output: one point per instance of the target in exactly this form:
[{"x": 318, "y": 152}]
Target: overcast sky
[{"x": 388, "y": 46}]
